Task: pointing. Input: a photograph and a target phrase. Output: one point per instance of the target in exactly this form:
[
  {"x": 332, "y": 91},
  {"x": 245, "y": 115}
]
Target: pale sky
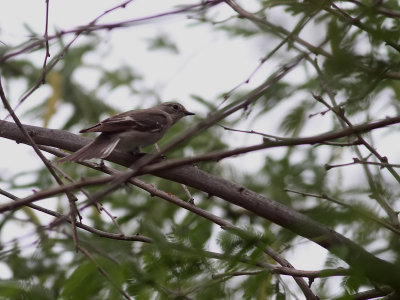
[{"x": 209, "y": 64}]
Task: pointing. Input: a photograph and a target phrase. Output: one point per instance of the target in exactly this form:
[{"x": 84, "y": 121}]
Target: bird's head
[{"x": 175, "y": 110}]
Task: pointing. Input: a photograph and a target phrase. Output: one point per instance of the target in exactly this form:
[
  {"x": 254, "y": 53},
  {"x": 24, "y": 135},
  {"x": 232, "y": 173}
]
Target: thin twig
[
  {"x": 345, "y": 122},
  {"x": 286, "y": 269},
  {"x": 106, "y": 12},
  {"x": 59, "y": 56},
  {"x": 69, "y": 178},
  {"x": 99, "y": 206},
  {"x": 253, "y": 96},
  {"x": 306, "y": 288},
  {"x": 373, "y": 294},
  {"x": 209, "y": 254},
  {"x": 300, "y": 25},
  {"x": 213, "y": 156},
  {"x": 113, "y": 218},
  {"x": 357, "y": 161},
  {"x": 88, "y": 29},
  {"x": 289, "y": 271},
  {"x": 318, "y": 50},
  {"x": 47, "y": 163},
  {"x": 103, "y": 272},
  {"x": 46, "y": 38},
  {"x": 265, "y": 135},
  {"x": 386, "y": 12},
  {"x": 100, "y": 233},
  {"x": 294, "y": 221},
  {"x": 215, "y": 219},
  {"x": 341, "y": 14},
  {"x": 363, "y": 213},
  {"x": 382, "y": 202}
]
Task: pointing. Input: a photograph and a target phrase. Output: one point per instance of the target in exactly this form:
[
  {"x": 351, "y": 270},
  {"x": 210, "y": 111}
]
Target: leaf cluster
[{"x": 353, "y": 67}]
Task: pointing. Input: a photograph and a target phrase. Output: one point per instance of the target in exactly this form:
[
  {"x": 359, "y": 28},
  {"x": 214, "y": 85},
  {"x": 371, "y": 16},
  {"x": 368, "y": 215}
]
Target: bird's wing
[
  {"x": 149, "y": 122},
  {"x": 99, "y": 148}
]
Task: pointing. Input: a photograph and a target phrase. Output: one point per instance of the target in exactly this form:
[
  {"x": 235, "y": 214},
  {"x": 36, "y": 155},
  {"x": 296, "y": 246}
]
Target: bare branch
[
  {"x": 88, "y": 29},
  {"x": 374, "y": 293},
  {"x": 103, "y": 272},
  {"x": 290, "y": 272},
  {"x": 375, "y": 268},
  {"x": 381, "y": 201},
  {"x": 357, "y": 161},
  {"x": 363, "y": 213},
  {"x": 59, "y": 56},
  {"x": 46, "y": 38},
  {"x": 47, "y": 163},
  {"x": 137, "y": 237},
  {"x": 279, "y": 31}
]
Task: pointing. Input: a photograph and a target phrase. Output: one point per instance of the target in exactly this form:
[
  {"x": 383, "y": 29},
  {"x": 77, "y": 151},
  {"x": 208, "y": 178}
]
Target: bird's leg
[
  {"x": 162, "y": 156},
  {"x": 136, "y": 155}
]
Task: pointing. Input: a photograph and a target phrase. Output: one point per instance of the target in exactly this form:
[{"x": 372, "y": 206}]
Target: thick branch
[{"x": 374, "y": 268}]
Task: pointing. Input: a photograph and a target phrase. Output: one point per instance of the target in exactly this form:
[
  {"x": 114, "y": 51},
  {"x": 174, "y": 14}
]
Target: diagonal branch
[
  {"x": 49, "y": 66},
  {"x": 140, "y": 164},
  {"x": 46, "y": 162},
  {"x": 374, "y": 268},
  {"x": 92, "y": 27},
  {"x": 225, "y": 225},
  {"x": 98, "y": 232}
]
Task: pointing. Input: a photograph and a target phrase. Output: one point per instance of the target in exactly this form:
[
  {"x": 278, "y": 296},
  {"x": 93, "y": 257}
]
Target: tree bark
[{"x": 376, "y": 269}]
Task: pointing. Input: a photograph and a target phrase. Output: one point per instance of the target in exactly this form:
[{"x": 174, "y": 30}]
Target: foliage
[{"x": 349, "y": 75}]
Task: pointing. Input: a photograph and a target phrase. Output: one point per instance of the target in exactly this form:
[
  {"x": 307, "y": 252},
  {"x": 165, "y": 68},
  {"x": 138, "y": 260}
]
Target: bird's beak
[{"x": 188, "y": 113}]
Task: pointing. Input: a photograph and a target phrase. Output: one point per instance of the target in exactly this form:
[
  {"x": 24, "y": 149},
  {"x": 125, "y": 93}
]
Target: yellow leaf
[{"x": 54, "y": 80}]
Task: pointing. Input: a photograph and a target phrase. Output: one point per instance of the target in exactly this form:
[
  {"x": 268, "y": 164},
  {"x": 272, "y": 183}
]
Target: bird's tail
[{"x": 101, "y": 147}]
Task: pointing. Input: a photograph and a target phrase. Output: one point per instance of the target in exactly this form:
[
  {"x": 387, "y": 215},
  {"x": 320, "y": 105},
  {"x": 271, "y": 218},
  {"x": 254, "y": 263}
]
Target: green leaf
[
  {"x": 162, "y": 42},
  {"x": 295, "y": 119},
  {"x": 84, "y": 282}
]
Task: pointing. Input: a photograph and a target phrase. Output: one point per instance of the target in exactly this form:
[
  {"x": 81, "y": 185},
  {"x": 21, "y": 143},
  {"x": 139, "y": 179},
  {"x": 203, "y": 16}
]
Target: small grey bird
[{"x": 130, "y": 130}]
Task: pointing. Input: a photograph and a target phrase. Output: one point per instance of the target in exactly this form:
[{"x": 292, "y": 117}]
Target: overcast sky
[{"x": 209, "y": 63}]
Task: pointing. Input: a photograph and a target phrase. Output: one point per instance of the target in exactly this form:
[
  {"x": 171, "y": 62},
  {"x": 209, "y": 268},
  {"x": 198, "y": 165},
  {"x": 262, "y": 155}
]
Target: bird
[{"x": 129, "y": 131}]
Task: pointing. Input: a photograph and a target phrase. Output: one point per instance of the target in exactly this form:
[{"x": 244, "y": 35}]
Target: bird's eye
[{"x": 175, "y": 106}]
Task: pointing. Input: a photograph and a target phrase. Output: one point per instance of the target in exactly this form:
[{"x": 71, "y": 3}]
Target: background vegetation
[{"x": 310, "y": 132}]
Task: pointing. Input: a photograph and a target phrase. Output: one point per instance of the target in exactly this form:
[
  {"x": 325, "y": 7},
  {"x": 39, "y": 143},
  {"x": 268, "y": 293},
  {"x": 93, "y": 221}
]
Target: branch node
[{"x": 310, "y": 281}]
